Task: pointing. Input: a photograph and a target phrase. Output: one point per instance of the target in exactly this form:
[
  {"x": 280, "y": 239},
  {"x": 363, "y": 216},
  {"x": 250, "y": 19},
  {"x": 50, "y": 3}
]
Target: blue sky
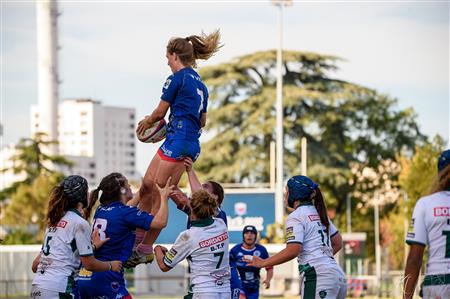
[{"x": 114, "y": 51}]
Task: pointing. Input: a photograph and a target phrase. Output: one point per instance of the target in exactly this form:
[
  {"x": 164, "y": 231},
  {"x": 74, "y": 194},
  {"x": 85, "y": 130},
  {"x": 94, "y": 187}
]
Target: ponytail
[
  {"x": 57, "y": 206},
  {"x": 93, "y": 197},
  {"x": 195, "y": 47},
  {"x": 321, "y": 208}
]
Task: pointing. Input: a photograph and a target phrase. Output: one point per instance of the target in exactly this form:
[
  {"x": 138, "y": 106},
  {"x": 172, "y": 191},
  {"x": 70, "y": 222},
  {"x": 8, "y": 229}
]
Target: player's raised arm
[{"x": 160, "y": 220}]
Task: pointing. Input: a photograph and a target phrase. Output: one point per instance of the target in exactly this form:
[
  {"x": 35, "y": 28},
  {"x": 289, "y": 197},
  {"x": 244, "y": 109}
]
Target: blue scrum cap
[
  {"x": 300, "y": 187},
  {"x": 444, "y": 160}
]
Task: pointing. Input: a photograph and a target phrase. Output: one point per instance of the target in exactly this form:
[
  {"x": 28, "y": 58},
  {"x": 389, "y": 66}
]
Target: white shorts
[
  {"x": 324, "y": 282},
  {"x": 436, "y": 291},
  {"x": 226, "y": 295},
  {"x": 40, "y": 293}
]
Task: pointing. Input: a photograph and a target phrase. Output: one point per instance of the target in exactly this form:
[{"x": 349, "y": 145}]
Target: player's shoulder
[
  {"x": 432, "y": 199},
  {"x": 219, "y": 221},
  {"x": 236, "y": 247},
  {"x": 297, "y": 214},
  {"x": 260, "y": 247}
]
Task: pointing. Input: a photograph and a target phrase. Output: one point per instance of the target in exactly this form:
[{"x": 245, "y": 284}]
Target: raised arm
[
  {"x": 160, "y": 220},
  {"x": 194, "y": 182}
]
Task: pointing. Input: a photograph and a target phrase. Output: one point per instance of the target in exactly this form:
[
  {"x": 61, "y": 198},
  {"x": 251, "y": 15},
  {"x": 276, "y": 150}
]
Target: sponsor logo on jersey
[
  {"x": 314, "y": 217},
  {"x": 441, "y": 211},
  {"x": 214, "y": 240},
  {"x": 411, "y": 235},
  {"x": 62, "y": 223},
  {"x": 170, "y": 255},
  {"x": 167, "y": 83},
  {"x": 411, "y": 225},
  {"x": 290, "y": 233}
]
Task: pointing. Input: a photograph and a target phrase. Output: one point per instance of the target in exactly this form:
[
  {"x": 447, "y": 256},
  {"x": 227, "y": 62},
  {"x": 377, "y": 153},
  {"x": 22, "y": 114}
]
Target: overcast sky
[{"x": 114, "y": 51}]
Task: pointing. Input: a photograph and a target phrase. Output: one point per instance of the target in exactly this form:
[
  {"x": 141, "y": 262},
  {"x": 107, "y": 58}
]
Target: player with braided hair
[
  {"x": 205, "y": 245},
  {"x": 67, "y": 241},
  {"x": 430, "y": 226},
  {"x": 313, "y": 239},
  {"x": 187, "y": 97},
  {"x": 117, "y": 222}
]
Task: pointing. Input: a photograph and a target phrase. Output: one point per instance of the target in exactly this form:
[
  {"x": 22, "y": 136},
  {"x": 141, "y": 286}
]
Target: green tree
[
  {"x": 344, "y": 123},
  {"x": 415, "y": 179},
  {"x": 32, "y": 161}
]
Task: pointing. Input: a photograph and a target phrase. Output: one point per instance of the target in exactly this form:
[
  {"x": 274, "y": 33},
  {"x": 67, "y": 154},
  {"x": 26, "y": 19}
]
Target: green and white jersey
[
  {"x": 61, "y": 251},
  {"x": 303, "y": 226},
  {"x": 205, "y": 245},
  {"x": 430, "y": 225}
]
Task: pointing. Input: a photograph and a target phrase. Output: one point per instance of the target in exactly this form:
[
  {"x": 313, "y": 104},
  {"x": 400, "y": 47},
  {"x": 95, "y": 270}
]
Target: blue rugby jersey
[
  {"x": 117, "y": 222},
  {"x": 188, "y": 99},
  {"x": 250, "y": 276}
]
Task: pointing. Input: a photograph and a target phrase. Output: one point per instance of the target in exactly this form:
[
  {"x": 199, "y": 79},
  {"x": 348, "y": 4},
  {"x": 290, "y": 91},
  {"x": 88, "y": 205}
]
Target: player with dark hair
[
  {"x": 67, "y": 241},
  {"x": 187, "y": 97},
  {"x": 430, "y": 226},
  {"x": 250, "y": 276},
  {"x": 118, "y": 222},
  {"x": 313, "y": 239}
]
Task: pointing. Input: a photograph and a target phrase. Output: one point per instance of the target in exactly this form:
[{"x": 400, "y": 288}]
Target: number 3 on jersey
[{"x": 101, "y": 224}]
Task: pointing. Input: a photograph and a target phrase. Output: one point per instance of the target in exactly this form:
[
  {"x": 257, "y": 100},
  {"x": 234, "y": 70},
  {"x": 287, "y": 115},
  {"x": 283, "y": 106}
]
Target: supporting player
[
  {"x": 117, "y": 221},
  {"x": 313, "y": 239},
  {"x": 217, "y": 192},
  {"x": 187, "y": 97},
  {"x": 67, "y": 241},
  {"x": 205, "y": 245},
  {"x": 430, "y": 226},
  {"x": 250, "y": 276}
]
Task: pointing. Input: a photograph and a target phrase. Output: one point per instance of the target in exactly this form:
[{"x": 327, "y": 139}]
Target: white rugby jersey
[
  {"x": 61, "y": 251},
  {"x": 303, "y": 226},
  {"x": 205, "y": 245},
  {"x": 430, "y": 225}
]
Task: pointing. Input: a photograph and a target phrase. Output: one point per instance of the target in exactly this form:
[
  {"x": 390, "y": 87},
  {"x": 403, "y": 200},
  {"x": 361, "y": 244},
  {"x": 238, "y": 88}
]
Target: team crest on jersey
[
  {"x": 167, "y": 83},
  {"x": 115, "y": 286},
  {"x": 322, "y": 294},
  {"x": 290, "y": 233},
  {"x": 257, "y": 253}
]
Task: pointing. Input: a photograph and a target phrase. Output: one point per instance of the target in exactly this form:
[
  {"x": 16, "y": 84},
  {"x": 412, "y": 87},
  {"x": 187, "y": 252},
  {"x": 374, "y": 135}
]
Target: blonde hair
[
  {"x": 203, "y": 205},
  {"x": 442, "y": 181},
  {"x": 194, "y": 47}
]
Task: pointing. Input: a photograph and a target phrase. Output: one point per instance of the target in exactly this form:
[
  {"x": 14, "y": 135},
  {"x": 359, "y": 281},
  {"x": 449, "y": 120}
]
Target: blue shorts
[
  {"x": 174, "y": 149},
  {"x": 102, "y": 284}
]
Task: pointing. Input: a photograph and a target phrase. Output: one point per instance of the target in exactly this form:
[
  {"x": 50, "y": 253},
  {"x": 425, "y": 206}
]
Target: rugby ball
[{"x": 155, "y": 133}]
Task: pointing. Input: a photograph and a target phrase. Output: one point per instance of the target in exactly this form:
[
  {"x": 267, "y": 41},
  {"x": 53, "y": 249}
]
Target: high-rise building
[{"x": 98, "y": 139}]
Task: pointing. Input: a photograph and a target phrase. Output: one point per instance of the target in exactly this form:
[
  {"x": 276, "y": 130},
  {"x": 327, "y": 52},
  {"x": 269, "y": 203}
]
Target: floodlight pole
[
  {"x": 377, "y": 242},
  {"x": 279, "y": 209}
]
